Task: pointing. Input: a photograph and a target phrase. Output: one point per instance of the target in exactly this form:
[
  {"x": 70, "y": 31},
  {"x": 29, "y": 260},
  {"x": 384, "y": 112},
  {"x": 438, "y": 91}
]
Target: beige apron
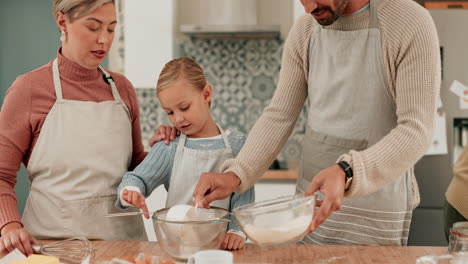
[
  {"x": 189, "y": 164},
  {"x": 350, "y": 108},
  {"x": 82, "y": 152}
]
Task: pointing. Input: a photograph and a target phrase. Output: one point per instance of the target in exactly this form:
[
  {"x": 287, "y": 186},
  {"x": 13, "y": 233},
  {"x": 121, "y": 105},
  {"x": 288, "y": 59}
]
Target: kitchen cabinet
[
  {"x": 427, "y": 227},
  {"x": 148, "y": 40}
]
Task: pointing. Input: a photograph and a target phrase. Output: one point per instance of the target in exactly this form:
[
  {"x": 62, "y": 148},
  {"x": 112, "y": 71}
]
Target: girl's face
[
  {"x": 187, "y": 107},
  {"x": 89, "y": 38}
]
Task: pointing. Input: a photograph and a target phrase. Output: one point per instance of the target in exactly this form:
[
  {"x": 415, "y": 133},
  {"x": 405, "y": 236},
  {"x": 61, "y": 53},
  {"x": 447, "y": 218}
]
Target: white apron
[
  {"x": 82, "y": 152},
  {"x": 351, "y": 108},
  {"x": 189, "y": 164}
]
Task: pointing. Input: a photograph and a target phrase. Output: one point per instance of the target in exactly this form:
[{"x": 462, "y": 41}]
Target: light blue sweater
[{"x": 156, "y": 168}]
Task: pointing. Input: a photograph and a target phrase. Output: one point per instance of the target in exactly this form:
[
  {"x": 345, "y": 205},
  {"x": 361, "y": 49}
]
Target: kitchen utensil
[
  {"x": 72, "y": 250},
  {"x": 278, "y": 221},
  {"x": 211, "y": 257},
  {"x": 181, "y": 239},
  {"x": 127, "y": 214}
]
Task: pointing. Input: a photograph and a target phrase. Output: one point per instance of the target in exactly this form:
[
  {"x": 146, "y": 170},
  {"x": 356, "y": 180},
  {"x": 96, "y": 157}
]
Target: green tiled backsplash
[{"x": 244, "y": 74}]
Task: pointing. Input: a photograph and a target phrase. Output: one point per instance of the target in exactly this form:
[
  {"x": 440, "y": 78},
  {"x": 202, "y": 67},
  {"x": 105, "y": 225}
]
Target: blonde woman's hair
[
  {"x": 181, "y": 67},
  {"x": 75, "y": 9}
]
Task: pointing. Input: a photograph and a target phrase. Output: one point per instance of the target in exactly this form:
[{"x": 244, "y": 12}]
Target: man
[{"x": 370, "y": 71}]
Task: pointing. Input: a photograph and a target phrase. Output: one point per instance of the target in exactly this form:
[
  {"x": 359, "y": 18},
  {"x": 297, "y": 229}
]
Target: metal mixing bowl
[
  {"x": 276, "y": 222},
  {"x": 181, "y": 239}
]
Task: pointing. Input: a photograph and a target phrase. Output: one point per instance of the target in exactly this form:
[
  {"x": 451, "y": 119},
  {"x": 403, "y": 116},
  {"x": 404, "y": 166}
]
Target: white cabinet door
[{"x": 149, "y": 40}]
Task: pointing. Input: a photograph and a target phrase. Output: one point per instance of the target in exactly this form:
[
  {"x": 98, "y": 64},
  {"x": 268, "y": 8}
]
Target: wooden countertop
[{"x": 319, "y": 254}]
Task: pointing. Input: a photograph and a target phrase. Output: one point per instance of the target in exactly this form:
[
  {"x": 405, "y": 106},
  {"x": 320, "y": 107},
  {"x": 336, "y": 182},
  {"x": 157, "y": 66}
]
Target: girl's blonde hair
[
  {"x": 181, "y": 67},
  {"x": 75, "y": 9}
]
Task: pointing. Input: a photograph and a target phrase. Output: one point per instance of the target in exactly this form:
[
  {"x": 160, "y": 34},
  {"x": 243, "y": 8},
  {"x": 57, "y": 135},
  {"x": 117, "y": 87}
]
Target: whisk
[{"x": 73, "y": 250}]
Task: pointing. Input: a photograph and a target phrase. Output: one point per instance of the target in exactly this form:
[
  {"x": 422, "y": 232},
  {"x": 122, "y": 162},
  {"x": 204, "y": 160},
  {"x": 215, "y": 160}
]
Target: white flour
[
  {"x": 288, "y": 231},
  {"x": 190, "y": 238}
]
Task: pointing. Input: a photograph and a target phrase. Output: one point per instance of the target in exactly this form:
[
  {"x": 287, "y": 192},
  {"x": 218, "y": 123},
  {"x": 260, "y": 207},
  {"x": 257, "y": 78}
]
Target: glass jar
[{"x": 458, "y": 239}]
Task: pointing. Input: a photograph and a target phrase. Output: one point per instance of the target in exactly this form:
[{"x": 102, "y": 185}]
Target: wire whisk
[{"x": 73, "y": 250}]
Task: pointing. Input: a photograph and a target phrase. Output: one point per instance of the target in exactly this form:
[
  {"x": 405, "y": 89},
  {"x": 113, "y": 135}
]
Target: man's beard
[{"x": 331, "y": 15}]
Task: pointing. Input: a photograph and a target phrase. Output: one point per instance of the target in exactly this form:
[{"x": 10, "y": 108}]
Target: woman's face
[{"x": 88, "y": 38}]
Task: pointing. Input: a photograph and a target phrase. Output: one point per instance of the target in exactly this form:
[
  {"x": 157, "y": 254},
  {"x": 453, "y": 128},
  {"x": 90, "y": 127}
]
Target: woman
[{"x": 76, "y": 128}]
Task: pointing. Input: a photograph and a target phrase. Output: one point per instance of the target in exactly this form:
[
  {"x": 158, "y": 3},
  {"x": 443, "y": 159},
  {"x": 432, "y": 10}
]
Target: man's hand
[
  {"x": 166, "y": 133},
  {"x": 136, "y": 199},
  {"x": 13, "y": 235},
  {"x": 331, "y": 182},
  {"x": 214, "y": 186}
]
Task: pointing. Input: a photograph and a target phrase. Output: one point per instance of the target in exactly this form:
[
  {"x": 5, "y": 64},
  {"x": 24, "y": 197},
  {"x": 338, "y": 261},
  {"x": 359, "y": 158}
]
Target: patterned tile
[{"x": 244, "y": 74}]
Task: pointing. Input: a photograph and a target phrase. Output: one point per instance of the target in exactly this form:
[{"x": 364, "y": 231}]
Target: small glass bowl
[
  {"x": 181, "y": 239},
  {"x": 276, "y": 222},
  {"x": 458, "y": 239}
]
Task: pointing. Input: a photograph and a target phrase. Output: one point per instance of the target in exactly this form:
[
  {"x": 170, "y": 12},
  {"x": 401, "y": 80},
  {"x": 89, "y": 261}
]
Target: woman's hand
[
  {"x": 13, "y": 235},
  {"x": 166, "y": 133},
  {"x": 233, "y": 242},
  {"x": 136, "y": 199}
]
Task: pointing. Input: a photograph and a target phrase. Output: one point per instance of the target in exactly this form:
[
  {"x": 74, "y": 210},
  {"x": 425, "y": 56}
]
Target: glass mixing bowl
[
  {"x": 276, "y": 222},
  {"x": 181, "y": 239}
]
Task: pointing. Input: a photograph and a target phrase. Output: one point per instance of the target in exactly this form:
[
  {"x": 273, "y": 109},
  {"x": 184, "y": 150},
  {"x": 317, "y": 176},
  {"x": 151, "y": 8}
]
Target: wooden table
[{"x": 310, "y": 254}]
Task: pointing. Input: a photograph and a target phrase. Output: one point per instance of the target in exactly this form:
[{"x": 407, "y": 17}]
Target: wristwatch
[{"x": 348, "y": 172}]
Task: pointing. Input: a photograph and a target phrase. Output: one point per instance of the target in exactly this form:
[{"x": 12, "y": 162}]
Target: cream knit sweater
[{"x": 412, "y": 61}]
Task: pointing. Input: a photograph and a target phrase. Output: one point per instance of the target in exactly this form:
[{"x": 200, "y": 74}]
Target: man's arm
[{"x": 414, "y": 58}]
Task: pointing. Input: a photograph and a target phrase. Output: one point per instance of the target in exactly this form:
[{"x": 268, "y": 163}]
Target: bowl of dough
[
  {"x": 276, "y": 222},
  {"x": 182, "y": 230}
]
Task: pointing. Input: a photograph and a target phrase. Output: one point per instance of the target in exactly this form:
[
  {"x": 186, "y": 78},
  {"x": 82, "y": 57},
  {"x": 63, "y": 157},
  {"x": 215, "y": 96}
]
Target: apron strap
[
  {"x": 374, "y": 16},
  {"x": 56, "y": 77},
  {"x": 58, "y": 85},
  {"x": 110, "y": 80},
  {"x": 183, "y": 138},
  {"x": 225, "y": 139}
]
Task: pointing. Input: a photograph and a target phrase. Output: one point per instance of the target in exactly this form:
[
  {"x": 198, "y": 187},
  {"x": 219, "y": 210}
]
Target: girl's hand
[
  {"x": 13, "y": 235},
  {"x": 233, "y": 242},
  {"x": 166, "y": 133},
  {"x": 136, "y": 199}
]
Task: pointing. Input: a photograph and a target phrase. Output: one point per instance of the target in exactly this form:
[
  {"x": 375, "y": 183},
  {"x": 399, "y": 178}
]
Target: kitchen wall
[
  {"x": 28, "y": 40},
  {"x": 244, "y": 74}
]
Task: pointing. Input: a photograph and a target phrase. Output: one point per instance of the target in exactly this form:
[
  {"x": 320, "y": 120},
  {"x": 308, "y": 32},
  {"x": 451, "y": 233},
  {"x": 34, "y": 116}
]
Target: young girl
[{"x": 202, "y": 147}]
